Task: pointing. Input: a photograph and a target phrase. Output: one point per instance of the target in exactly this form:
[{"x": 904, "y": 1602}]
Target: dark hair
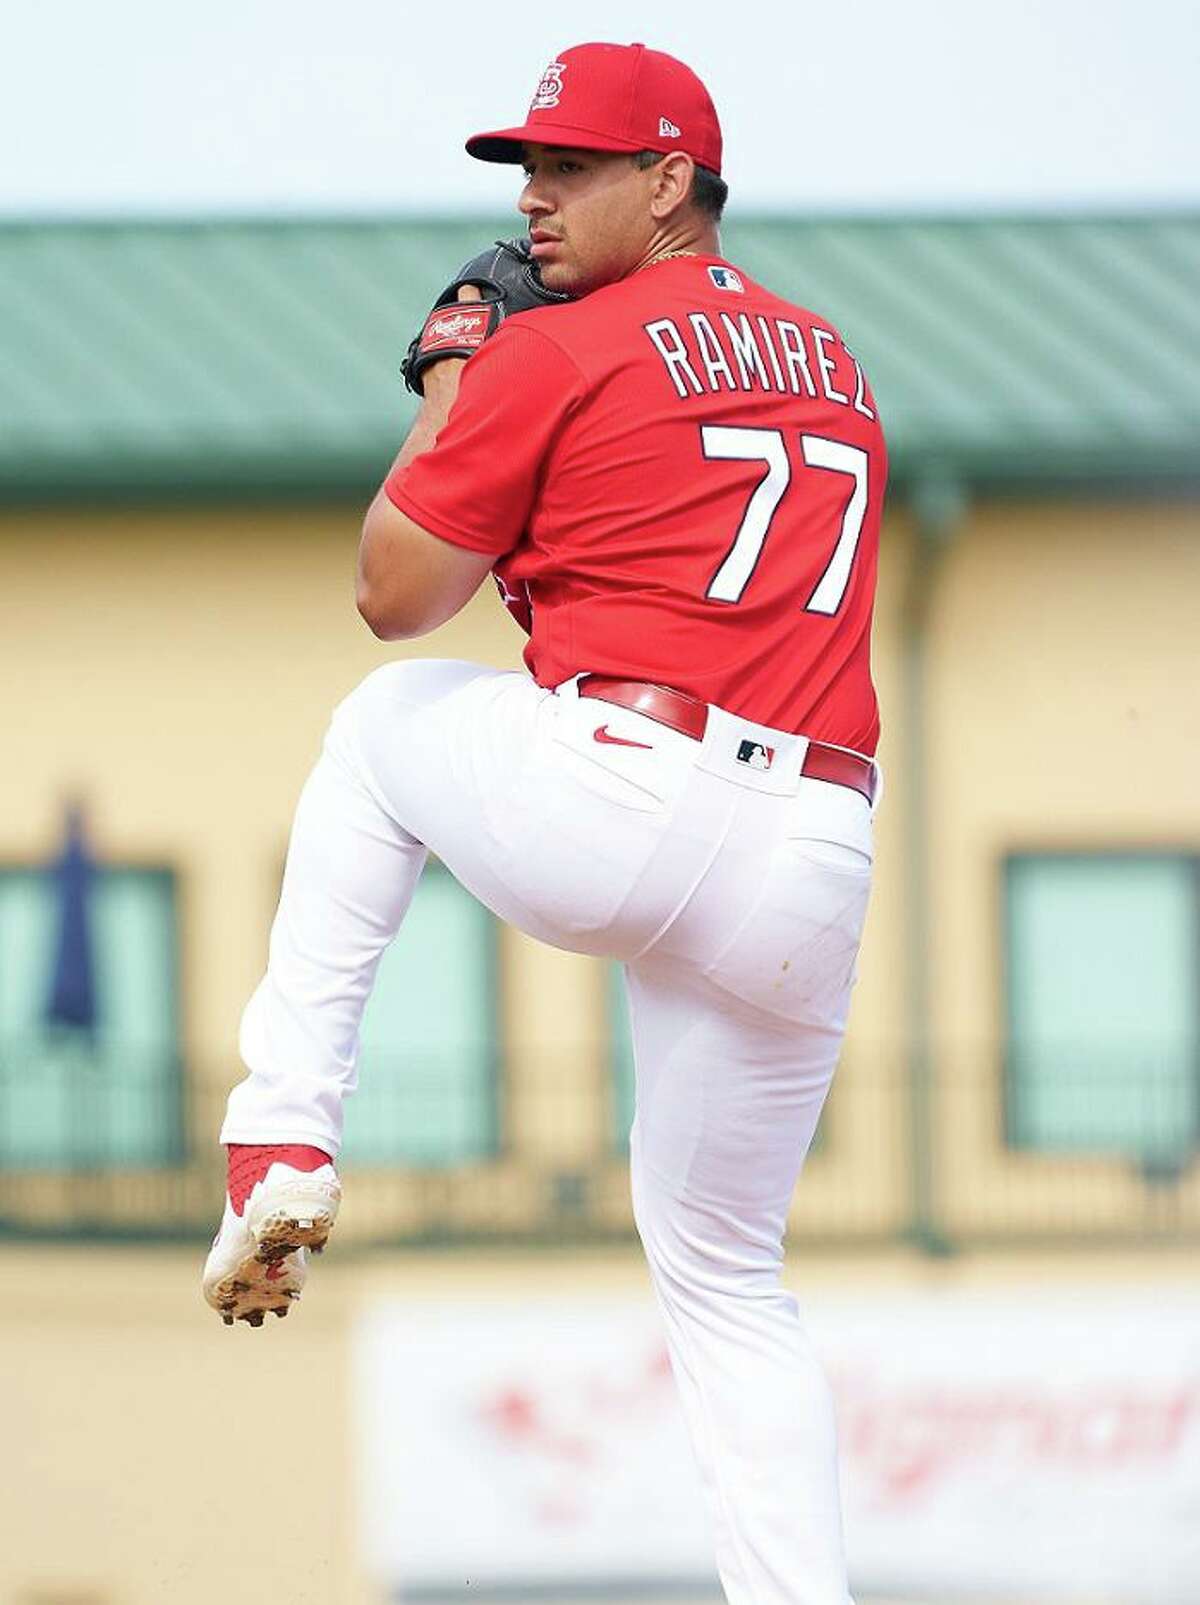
[{"x": 709, "y": 190}]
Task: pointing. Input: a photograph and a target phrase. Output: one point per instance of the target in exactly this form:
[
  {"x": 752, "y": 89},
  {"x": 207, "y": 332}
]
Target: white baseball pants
[{"x": 735, "y": 898}]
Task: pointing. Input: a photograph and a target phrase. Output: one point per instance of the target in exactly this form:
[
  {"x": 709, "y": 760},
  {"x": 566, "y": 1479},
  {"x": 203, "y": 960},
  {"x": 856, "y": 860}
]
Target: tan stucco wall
[
  {"x": 1064, "y": 713},
  {"x": 178, "y": 667}
]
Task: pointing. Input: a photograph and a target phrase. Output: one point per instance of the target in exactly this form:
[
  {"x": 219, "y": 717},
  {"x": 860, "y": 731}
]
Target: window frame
[
  {"x": 175, "y": 1149},
  {"x": 494, "y": 1103},
  {"x": 1188, "y": 858},
  {"x": 983, "y": 1191}
]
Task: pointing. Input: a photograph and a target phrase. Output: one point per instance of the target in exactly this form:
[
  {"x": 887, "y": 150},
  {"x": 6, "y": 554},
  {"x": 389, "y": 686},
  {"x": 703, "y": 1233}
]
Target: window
[
  {"x": 427, "y": 1073},
  {"x": 70, "y": 1099},
  {"x": 620, "y": 1056},
  {"x": 1103, "y": 1004}
]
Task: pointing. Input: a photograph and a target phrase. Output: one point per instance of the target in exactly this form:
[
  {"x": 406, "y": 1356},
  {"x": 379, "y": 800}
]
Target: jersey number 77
[{"x": 728, "y": 443}]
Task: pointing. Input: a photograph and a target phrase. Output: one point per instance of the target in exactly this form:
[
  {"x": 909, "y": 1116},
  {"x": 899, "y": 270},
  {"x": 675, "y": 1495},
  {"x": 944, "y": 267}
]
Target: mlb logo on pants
[{"x": 755, "y": 754}]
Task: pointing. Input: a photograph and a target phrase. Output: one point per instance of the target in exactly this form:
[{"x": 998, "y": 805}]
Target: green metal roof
[{"x": 230, "y": 358}]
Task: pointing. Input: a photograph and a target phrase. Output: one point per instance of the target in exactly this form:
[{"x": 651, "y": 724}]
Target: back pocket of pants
[{"x": 793, "y": 955}]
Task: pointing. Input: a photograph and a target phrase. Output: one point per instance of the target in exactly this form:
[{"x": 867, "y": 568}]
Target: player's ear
[{"x": 672, "y": 184}]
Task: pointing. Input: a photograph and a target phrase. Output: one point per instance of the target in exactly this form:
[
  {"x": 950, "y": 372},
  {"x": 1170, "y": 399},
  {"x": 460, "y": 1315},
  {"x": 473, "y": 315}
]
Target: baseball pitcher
[{"x": 676, "y": 477}]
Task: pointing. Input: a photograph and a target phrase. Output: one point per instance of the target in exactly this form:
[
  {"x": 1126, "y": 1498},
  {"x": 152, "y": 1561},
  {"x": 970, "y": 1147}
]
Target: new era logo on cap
[{"x": 667, "y": 129}]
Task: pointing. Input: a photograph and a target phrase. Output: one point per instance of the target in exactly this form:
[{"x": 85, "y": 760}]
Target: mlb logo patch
[
  {"x": 726, "y": 279},
  {"x": 754, "y": 755}
]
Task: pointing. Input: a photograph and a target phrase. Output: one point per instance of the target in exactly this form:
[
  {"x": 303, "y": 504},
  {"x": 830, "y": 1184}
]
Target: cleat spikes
[{"x": 260, "y": 1258}]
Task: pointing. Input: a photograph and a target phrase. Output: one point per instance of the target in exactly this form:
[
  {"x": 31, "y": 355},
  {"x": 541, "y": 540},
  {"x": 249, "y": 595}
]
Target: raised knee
[
  {"x": 413, "y": 682},
  {"x": 389, "y": 686},
  {"x": 387, "y": 683}
]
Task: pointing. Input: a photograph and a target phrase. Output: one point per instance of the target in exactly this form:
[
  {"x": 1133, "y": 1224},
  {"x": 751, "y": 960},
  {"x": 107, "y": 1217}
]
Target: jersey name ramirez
[{"x": 705, "y": 355}]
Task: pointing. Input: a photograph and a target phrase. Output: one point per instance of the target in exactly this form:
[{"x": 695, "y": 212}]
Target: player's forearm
[
  {"x": 441, "y": 389},
  {"x": 409, "y": 581}
]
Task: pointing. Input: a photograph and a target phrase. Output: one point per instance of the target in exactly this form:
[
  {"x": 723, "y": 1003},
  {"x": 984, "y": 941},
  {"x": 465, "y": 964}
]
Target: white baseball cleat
[{"x": 259, "y": 1259}]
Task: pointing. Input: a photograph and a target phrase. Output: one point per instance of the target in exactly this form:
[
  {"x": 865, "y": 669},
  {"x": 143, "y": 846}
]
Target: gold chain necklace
[{"x": 666, "y": 256}]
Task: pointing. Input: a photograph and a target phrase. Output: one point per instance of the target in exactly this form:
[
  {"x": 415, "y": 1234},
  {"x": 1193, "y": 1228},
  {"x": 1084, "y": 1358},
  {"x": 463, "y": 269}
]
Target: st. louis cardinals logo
[{"x": 549, "y": 88}]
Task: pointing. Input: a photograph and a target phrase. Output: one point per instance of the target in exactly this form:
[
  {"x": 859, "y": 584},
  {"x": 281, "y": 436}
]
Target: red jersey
[{"x": 687, "y": 472}]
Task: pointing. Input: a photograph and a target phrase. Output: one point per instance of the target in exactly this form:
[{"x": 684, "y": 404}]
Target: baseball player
[{"x": 677, "y": 477}]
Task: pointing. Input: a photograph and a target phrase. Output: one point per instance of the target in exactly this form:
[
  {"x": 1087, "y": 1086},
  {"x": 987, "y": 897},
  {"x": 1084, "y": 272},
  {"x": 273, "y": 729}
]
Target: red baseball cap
[{"x": 613, "y": 97}]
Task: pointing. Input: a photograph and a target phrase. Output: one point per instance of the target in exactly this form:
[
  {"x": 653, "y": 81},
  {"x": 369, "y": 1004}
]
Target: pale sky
[{"x": 261, "y": 106}]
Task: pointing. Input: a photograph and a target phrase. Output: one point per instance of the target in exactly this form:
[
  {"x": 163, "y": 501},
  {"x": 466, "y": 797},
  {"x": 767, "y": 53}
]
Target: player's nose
[{"x": 531, "y": 204}]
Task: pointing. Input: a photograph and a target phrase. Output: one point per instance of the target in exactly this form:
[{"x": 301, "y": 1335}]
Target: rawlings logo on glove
[
  {"x": 507, "y": 280},
  {"x": 456, "y": 329}
]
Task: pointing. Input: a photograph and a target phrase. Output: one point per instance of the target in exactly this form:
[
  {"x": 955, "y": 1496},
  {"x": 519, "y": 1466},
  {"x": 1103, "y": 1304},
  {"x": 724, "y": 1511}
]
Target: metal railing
[{"x": 112, "y": 1154}]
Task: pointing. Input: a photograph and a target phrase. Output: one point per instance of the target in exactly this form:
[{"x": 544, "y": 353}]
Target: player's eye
[{"x": 563, "y": 165}]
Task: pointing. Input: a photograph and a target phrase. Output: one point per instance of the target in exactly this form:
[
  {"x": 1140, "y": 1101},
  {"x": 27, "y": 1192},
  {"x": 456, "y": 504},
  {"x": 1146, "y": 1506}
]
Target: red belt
[{"x": 689, "y": 716}]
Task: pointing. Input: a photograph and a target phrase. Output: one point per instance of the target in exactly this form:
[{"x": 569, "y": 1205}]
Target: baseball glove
[{"x": 508, "y": 281}]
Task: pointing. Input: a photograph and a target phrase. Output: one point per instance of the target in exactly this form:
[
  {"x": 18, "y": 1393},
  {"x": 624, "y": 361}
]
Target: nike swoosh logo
[{"x": 600, "y": 733}]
